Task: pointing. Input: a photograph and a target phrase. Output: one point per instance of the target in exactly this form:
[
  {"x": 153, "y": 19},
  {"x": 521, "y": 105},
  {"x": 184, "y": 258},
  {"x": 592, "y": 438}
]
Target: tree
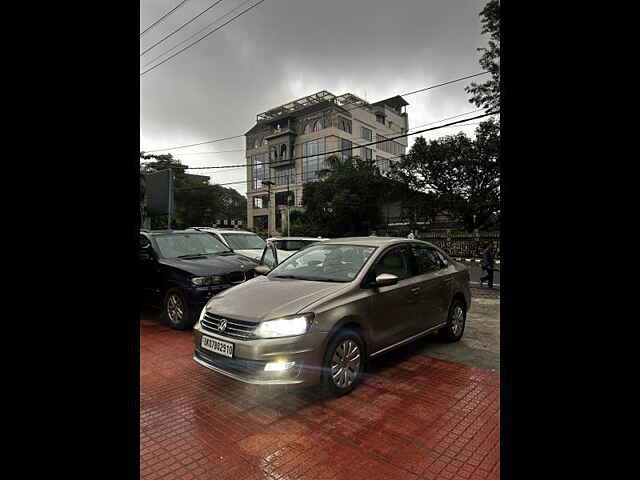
[
  {"x": 197, "y": 203},
  {"x": 345, "y": 203},
  {"x": 487, "y": 95},
  {"x": 461, "y": 174}
]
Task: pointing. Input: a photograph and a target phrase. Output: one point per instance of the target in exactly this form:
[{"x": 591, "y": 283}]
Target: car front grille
[{"x": 234, "y": 329}]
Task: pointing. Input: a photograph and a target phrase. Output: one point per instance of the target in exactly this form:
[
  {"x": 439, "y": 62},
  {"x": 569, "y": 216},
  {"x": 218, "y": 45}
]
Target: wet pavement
[{"x": 413, "y": 417}]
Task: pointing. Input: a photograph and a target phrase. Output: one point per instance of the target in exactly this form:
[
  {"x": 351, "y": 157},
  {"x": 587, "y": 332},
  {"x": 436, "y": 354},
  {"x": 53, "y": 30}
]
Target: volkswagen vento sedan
[{"x": 323, "y": 312}]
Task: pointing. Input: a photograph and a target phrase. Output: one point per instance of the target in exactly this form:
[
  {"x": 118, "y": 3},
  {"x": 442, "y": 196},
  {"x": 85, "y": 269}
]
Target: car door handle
[
  {"x": 448, "y": 280},
  {"x": 415, "y": 289}
]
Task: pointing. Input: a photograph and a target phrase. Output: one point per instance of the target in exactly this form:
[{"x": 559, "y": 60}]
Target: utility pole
[
  {"x": 169, "y": 212},
  {"x": 268, "y": 183}
]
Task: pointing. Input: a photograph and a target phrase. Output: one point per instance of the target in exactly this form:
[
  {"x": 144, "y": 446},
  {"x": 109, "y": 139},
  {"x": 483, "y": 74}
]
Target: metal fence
[{"x": 463, "y": 245}]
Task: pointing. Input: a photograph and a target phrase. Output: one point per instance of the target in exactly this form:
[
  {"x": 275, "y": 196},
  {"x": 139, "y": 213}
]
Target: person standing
[{"x": 487, "y": 265}]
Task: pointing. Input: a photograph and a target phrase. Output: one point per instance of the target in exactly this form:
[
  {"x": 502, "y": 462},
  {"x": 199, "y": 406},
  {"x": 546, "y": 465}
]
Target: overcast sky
[{"x": 286, "y": 49}]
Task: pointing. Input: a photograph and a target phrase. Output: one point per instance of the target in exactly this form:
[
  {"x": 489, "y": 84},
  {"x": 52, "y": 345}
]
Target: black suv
[{"x": 181, "y": 270}]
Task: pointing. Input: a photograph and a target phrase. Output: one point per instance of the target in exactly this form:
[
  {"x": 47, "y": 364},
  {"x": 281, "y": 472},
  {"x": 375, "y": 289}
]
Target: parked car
[
  {"x": 181, "y": 270},
  {"x": 278, "y": 249},
  {"x": 320, "y": 315},
  {"x": 245, "y": 243}
]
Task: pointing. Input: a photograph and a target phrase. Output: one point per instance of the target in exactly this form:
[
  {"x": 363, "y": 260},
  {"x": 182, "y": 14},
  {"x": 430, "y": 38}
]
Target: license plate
[{"x": 217, "y": 346}]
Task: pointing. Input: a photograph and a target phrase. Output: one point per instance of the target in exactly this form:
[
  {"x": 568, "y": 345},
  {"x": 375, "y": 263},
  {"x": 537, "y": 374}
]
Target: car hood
[
  {"x": 256, "y": 254},
  {"x": 212, "y": 265},
  {"x": 262, "y": 298}
]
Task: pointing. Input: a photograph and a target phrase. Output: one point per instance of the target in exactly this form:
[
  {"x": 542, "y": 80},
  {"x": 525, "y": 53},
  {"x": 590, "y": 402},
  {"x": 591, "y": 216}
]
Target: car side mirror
[
  {"x": 385, "y": 280},
  {"x": 262, "y": 269}
]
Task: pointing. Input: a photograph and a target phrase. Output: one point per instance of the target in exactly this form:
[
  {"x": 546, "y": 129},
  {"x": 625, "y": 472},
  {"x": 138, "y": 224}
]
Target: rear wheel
[
  {"x": 177, "y": 311},
  {"x": 456, "y": 321},
  {"x": 343, "y": 363}
]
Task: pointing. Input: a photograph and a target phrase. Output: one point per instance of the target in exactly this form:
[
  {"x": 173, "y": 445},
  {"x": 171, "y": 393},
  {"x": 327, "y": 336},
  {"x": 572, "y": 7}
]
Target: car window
[
  {"x": 268, "y": 258},
  {"x": 393, "y": 262},
  {"x": 176, "y": 245},
  {"x": 442, "y": 258},
  {"x": 427, "y": 260},
  {"x": 244, "y": 241},
  {"x": 328, "y": 263}
]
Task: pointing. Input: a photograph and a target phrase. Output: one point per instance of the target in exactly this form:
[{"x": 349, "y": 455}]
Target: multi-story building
[{"x": 287, "y": 148}]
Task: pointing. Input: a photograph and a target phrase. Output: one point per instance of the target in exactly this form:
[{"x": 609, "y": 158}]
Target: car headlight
[
  {"x": 210, "y": 280},
  {"x": 285, "y": 327},
  {"x": 204, "y": 310}
]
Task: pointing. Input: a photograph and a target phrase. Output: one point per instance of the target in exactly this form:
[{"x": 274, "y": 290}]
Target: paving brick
[{"x": 415, "y": 417}]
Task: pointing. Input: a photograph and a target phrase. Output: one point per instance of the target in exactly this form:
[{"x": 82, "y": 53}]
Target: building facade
[{"x": 287, "y": 148}]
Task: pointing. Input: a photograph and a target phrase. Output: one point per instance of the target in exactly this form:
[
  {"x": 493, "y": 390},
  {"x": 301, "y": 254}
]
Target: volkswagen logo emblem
[{"x": 222, "y": 325}]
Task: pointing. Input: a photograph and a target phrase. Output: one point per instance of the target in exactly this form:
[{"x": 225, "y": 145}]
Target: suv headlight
[
  {"x": 210, "y": 280},
  {"x": 289, "y": 326}
]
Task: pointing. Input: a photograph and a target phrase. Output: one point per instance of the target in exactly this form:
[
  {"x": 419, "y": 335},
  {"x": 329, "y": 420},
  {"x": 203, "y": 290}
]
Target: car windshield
[
  {"x": 325, "y": 263},
  {"x": 192, "y": 244},
  {"x": 244, "y": 241}
]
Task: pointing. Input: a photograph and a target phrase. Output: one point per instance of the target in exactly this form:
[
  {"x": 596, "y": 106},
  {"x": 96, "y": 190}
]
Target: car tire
[
  {"x": 176, "y": 310},
  {"x": 340, "y": 370},
  {"x": 456, "y": 321}
]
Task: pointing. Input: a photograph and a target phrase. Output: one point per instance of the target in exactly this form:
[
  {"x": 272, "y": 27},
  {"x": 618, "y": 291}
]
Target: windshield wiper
[
  {"x": 289, "y": 276},
  {"x": 193, "y": 255}
]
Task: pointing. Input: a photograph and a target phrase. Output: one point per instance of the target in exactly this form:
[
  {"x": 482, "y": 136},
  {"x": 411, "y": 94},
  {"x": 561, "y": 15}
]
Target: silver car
[{"x": 322, "y": 313}]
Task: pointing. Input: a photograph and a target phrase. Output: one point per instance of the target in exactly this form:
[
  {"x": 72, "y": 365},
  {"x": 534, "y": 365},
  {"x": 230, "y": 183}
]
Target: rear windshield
[{"x": 244, "y": 241}]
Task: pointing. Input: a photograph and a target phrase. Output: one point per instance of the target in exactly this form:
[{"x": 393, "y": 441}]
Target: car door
[
  {"x": 393, "y": 307},
  {"x": 434, "y": 286}
]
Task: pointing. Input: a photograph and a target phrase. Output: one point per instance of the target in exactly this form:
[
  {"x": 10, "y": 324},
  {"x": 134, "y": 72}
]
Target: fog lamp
[{"x": 278, "y": 366}]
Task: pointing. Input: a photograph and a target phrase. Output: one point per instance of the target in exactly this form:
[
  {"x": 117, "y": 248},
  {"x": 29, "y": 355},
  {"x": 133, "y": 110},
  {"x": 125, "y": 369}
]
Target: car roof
[
  {"x": 314, "y": 239},
  {"x": 220, "y": 230},
  {"x": 165, "y": 232},
  {"x": 372, "y": 241}
]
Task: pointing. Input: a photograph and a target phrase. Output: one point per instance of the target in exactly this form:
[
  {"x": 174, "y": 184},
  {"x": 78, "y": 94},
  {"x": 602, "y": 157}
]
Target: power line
[
  {"x": 163, "y": 17},
  {"x": 388, "y": 139},
  {"x": 181, "y": 27},
  {"x": 201, "y": 38},
  {"x": 238, "y": 136},
  {"x": 196, "y": 34}
]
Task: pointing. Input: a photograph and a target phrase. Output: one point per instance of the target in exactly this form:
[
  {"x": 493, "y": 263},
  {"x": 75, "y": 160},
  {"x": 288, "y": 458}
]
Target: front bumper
[{"x": 251, "y": 356}]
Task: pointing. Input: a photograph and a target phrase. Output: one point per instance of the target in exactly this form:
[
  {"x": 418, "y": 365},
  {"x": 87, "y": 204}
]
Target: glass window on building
[
  {"x": 367, "y": 154},
  {"x": 261, "y": 201},
  {"x": 346, "y": 154},
  {"x": 344, "y": 124},
  {"x": 285, "y": 175},
  {"x": 281, "y": 198},
  {"x": 383, "y": 164},
  {"x": 313, "y": 160},
  {"x": 258, "y": 170},
  {"x": 367, "y": 134}
]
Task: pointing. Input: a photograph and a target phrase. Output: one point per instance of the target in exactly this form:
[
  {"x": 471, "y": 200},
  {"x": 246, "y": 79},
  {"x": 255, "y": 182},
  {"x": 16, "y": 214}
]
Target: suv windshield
[
  {"x": 244, "y": 241},
  {"x": 179, "y": 245},
  {"x": 325, "y": 263}
]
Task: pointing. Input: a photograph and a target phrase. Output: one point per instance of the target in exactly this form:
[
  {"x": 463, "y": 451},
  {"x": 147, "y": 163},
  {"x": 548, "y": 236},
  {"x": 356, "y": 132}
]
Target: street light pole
[{"x": 268, "y": 183}]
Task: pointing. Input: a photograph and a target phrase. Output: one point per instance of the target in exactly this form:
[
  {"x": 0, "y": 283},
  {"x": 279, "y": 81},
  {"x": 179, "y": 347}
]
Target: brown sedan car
[{"x": 323, "y": 312}]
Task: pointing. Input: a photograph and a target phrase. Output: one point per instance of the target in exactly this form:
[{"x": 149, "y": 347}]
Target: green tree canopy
[
  {"x": 487, "y": 95},
  {"x": 461, "y": 174}
]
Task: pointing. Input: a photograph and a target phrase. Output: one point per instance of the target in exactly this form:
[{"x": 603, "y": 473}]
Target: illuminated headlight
[
  {"x": 285, "y": 326},
  {"x": 204, "y": 281}
]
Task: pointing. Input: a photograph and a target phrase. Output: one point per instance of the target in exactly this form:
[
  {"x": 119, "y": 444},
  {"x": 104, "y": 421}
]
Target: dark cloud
[{"x": 285, "y": 49}]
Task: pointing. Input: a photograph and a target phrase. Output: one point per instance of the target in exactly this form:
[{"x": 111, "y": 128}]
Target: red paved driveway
[{"x": 414, "y": 417}]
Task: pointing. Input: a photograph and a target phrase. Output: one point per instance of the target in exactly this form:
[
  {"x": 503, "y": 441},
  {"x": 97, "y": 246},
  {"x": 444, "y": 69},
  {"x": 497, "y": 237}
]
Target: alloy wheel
[
  {"x": 345, "y": 363},
  {"x": 457, "y": 320},
  {"x": 175, "y": 308}
]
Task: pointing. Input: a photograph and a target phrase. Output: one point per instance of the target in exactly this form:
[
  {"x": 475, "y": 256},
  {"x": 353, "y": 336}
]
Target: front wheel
[
  {"x": 177, "y": 311},
  {"x": 456, "y": 322},
  {"x": 343, "y": 363}
]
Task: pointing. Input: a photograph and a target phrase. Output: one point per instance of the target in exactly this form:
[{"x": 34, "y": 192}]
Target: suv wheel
[
  {"x": 343, "y": 363},
  {"x": 456, "y": 321},
  {"x": 176, "y": 310}
]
